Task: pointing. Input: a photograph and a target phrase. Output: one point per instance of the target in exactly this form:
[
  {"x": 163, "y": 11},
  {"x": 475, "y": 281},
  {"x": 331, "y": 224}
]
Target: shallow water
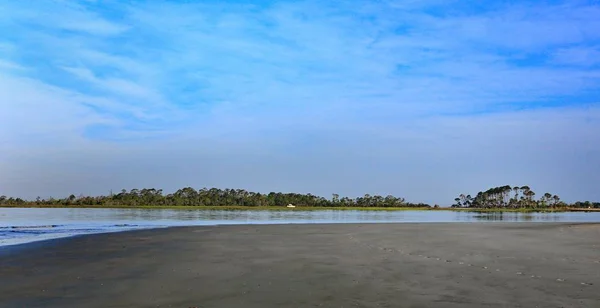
[{"x": 19, "y": 226}]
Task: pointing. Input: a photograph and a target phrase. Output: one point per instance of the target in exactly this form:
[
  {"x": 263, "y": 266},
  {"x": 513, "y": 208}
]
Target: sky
[{"x": 419, "y": 99}]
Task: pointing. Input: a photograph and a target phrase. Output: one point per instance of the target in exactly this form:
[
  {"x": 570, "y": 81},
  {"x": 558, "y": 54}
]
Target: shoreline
[
  {"x": 330, "y": 265},
  {"x": 231, "y": 208},
  {"x": 35, "y": 224},
  {"x": 39, "y": 244},
  {"x": 52, "y": 241},
  {"x": 58, "y": 239},
  {"x": 306, "y": 208}
]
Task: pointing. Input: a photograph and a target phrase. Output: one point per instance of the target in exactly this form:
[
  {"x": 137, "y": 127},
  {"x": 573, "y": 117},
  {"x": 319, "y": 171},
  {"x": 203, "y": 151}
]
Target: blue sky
[{"x": 420, "y": 99}]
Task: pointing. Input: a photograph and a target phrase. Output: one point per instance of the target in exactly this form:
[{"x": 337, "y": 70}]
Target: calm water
[{"x": 29, "y": 225}]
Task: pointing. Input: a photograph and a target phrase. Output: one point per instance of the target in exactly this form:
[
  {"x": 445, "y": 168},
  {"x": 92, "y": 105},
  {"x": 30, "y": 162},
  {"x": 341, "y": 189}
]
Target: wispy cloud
[
  {"x": 303, "y": 76},
  {"x": 588, "y": 56}
]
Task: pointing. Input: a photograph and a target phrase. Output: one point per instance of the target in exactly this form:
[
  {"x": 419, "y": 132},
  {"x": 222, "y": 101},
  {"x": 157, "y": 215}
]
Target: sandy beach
[{"x": 341, "y": 265}]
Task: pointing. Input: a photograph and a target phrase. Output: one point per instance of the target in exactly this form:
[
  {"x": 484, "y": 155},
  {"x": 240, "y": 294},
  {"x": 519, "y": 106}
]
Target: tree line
[
  {"x": 213, "y": 197},
  {"x": 517, "y": 197},
  {"x": 502, "y": 197}
]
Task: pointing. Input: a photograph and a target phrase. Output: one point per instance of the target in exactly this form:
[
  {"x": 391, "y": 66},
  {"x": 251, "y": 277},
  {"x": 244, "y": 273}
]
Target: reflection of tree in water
[
  {"x": 495, "y": 216},
  {"x": 109, "y": 218},
  {"x": 524, "y": 217},
  {"x": 507, "y": 216}
]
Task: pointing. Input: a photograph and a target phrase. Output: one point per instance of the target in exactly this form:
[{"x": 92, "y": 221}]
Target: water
[{"x": 34, "y": 224}]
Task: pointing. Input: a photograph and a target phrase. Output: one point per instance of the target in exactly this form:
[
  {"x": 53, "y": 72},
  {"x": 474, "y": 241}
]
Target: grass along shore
[
  {"x": 314, "y": 208},
  {"x": 228, "y": 208}
]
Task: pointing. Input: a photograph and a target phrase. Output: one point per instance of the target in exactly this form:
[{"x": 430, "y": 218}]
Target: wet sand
[{"x": 344, "y": 265}]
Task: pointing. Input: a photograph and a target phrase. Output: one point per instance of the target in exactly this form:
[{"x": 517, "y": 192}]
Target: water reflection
[
  {"x": 40, "y": 217},
  {"x": 527, "y": 217},
  {"x": 36, "y": 223}
]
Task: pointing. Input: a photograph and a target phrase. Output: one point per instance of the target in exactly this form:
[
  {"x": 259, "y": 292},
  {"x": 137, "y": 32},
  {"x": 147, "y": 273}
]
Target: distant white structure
[{"x": 291, "y": 205}]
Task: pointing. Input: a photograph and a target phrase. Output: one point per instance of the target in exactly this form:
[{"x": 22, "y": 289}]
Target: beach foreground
[{"x": 342, "y": 265}]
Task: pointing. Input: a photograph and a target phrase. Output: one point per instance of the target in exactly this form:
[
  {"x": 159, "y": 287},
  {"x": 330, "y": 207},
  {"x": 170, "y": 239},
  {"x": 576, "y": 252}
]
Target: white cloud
[
  {"x": 113, "y": 85},
  {"x": 6, "y": 65},
  {"x": 32, "y": 112},
  {"x": 88, "y": 24},
  {"x": 61, "y": 15},
  {"x": 581, "y": 56}
]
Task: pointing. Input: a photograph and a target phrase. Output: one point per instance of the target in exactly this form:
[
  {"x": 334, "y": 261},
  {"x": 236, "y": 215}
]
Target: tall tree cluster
[
  {"x": 213, "y": 197},
  {"x": 515, "y": 198},
  {"x": 502, "y": 197}
]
